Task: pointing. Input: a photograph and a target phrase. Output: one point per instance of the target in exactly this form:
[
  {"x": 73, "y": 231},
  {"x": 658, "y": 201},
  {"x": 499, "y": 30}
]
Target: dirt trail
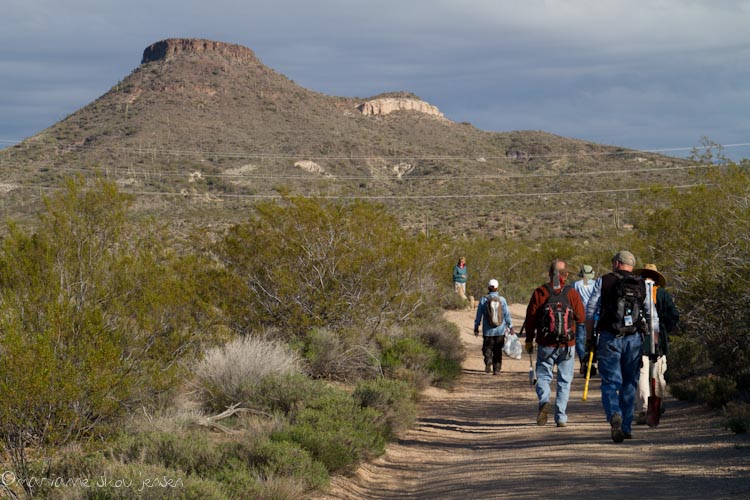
[{"x": 480, "y": 440}]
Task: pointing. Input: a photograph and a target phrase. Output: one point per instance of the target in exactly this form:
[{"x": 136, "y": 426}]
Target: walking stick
[{"x": 588, "y": 376}]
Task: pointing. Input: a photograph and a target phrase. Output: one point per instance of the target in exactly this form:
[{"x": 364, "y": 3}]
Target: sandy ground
[{"x": 480, "y": 440}]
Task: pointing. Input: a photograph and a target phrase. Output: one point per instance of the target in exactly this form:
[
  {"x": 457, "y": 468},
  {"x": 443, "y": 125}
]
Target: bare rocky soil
[{"x": 480, "y": 440}]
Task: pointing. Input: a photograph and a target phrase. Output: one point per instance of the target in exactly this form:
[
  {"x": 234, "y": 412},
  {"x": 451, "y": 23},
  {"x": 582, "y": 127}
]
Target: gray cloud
[{"x": 633, "y": 73}]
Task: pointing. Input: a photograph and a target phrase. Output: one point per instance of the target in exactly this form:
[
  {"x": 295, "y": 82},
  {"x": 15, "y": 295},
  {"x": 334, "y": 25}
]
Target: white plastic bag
[{"x": 512, "y": 347}]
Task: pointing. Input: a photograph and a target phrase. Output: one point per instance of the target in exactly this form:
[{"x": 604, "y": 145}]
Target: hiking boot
[
  {"x": 496, "y": 369},
  {"x": 641, "y": 418},
  {"x": 544, "y": 411},
  {"x": 616, "y": 422},
  {"x": 562, "y": 424},
  {"x": 487, "y": 367},
  {"x": 627, "y": 435}
]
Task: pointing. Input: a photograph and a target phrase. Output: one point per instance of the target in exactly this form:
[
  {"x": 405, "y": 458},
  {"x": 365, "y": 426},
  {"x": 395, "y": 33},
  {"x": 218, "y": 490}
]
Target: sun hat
[{"x": 650, "y": 271}]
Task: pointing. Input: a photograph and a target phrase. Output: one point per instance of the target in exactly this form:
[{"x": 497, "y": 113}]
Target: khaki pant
[
  {"x": 644, "y": 388},
  {"x": 460, "y": 289}
]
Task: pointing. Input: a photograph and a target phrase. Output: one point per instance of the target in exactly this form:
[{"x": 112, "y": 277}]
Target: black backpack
[
  {"x": 556, "y": 318},
  {"x": 494, "y": 310},
  {"x": 628, "y": 315}
]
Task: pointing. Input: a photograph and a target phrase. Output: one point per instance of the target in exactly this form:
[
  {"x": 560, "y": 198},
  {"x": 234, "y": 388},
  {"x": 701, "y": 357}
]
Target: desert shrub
[
  {"x": 737, "y": 417},
  {"x": 338, "y": 356},
  {"x": 308, "y": 263},
  {"x": 98, "y": 302},
  {"x": 445, "y": 338},
  {"x": 452, "y": 301},
  {"x": 337, "y": 431},
  {"x": 286, "y": 394},
  {"x": 230, "y": 374},
  {"x": 285, "y": 459},
  {"x": 713, "y": 390},
  {"x": 687, "y": 358},
  {"x": 394, "y": 399},
  {"x": 408, "y": 359},
  {"x": 701, "y": 240}
]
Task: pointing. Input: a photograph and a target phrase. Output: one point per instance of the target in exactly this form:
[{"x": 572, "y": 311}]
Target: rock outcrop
[
  {"x": 386, "y": 105},
  {"x": 171, "y": 47}
]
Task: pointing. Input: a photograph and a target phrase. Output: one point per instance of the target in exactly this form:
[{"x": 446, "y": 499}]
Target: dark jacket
[{"x": 608, "y": 301}]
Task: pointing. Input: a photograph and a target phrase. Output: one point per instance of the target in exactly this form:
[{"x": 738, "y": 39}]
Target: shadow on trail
[{"x": 480, "y": 441}]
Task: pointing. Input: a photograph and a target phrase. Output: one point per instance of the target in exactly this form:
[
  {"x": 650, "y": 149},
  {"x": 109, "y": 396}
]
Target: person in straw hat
[{"x": 666, "y": 318}]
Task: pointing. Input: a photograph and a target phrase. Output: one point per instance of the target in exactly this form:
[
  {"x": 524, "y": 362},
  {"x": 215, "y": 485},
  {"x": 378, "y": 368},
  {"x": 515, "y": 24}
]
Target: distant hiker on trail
[
  {"x": 459, "y": 277},
  {"x": 584, "y": 287},
  {"x": 665, "y": 321},
  {"x": 494, "y": 315},
  {"x": 551, "y": 317},
  {"x": 619, "y": 300}
]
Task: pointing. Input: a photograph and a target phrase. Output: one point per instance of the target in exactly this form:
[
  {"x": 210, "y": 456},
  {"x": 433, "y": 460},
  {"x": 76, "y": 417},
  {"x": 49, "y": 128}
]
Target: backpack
[
  {"x": 556, "y": 318},
  {"x": 494, "y": 310},
  {"x": 628, "y": 317}
]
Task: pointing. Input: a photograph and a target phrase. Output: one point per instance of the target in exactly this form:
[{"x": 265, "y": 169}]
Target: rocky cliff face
[
  {"x": 386, "y": 105},
  {"x": 172, "y": 47}
]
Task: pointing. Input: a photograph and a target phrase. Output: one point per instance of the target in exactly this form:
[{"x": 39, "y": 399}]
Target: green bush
[
  {"x": 408, "y": 359},
  {"x": 737, "y": 417},
  {"x": 687, "y": 358},
  {"x": 337, "y": 431},
  {"x": 96, "y": 315},
  {"x": 711, "y": 389},
  {"x": 307, "y": 263},
  {"x": 444, "y": 337},
  {"x": 394, "y": 399}
]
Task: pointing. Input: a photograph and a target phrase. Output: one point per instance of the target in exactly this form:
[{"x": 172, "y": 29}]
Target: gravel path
[{"x": 480, "y": 440}]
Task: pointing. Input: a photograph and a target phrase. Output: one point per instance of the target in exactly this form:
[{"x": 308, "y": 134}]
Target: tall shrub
[{"x": 94, "y": 318}]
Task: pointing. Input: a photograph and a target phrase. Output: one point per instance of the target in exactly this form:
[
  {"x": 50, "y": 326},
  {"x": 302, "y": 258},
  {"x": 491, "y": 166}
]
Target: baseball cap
[
  {"x": 625, "y": 257},
  {"x": 493, "y": 284}
]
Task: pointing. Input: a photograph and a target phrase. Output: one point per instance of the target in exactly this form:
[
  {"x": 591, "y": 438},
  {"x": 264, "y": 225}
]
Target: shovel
[{"x": 653, "y": 409}]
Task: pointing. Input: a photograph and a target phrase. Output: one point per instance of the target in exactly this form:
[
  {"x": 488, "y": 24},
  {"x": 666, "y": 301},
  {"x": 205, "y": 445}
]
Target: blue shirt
[
  {"x": 487, "y": 329},
  {"x": 584, "y": 290}
]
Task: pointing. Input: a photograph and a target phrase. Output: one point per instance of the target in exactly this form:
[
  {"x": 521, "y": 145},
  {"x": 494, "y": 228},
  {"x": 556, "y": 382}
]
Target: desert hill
[{"x": 203, "y": 129}]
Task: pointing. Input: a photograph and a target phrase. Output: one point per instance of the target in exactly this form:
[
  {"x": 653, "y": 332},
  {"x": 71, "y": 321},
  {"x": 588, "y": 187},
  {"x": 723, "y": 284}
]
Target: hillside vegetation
[
  {"x": 204, "y": 131},
  {"x": 296, "y": 344}
]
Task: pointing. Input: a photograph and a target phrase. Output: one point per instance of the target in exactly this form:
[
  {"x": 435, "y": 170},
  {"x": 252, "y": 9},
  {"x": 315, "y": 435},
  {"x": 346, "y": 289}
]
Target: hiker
[
  {"x": 551, "y": 317},
  {"x": 494, "y": 315},
  {"x": 665, "y": 321},
  {"x": 584, "y": 287},
  {"x": 459, "y": 277},
  {"x": 619, "y": 300}
]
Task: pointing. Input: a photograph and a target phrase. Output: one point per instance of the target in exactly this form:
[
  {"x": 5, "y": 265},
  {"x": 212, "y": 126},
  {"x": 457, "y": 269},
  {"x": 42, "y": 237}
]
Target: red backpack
[{"x": 556, "y": 318}]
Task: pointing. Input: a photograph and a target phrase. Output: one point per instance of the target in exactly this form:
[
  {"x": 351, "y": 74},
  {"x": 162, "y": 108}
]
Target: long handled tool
[
  {"x": 588, "y": 376},
  {"x": 532, "y": 375},
  {"x": 653, "y": 410}
]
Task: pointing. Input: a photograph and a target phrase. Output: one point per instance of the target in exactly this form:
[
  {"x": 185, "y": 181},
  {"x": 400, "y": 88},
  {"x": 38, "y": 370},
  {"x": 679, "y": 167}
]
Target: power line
[
  {"x": 371, "y": 197},
  {"x": 332, "y": 177},
  {"x": 278, "y": 156}
]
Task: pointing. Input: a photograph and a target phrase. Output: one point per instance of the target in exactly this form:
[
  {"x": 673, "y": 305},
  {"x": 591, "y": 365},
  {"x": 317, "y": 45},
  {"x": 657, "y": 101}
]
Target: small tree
[
  {"x": 94, "y": 318},
  {"x": 312, "y": 263}
]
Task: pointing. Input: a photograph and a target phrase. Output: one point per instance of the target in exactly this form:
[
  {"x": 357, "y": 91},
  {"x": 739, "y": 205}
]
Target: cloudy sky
[{"x": 652, "y": 75}]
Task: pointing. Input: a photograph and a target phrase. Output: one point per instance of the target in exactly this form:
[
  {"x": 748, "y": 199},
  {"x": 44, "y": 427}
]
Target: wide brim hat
[{"x": 650, "y": 271}]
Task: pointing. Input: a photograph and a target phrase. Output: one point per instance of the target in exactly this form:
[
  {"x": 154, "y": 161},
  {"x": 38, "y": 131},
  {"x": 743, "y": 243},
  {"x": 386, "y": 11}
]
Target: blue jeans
[
  {"x": 581, "y": 343},
  {"x": 619, "y": 361},
  {"x": 546, "y": 358}
]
